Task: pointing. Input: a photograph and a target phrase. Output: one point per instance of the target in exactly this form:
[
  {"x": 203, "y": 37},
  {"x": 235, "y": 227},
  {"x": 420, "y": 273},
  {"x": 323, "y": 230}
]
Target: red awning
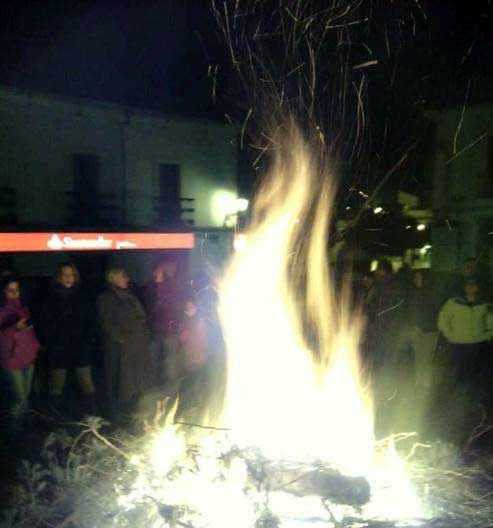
[{"x": 14, "y": 242}]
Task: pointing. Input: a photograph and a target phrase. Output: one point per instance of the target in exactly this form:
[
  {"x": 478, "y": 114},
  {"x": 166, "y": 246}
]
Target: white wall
[{"x": 39, "y": 134}]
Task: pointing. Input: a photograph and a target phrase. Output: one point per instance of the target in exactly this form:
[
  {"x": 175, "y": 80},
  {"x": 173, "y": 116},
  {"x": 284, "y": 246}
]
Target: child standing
[
  {"x": 193, "y": 343},
  {"x": 19, "y": 348}
]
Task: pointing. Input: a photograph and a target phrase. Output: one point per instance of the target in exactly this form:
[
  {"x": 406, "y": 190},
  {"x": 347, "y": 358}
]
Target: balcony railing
[
  {"x": 69, "y": 208},
  {"x": 100, "y": 209},
  {"x": 173, "y": 214}
]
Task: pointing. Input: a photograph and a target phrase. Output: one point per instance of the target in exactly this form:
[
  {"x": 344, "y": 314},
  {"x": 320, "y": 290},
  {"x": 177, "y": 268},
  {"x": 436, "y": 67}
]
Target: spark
[{"x": 461, "y": 121}]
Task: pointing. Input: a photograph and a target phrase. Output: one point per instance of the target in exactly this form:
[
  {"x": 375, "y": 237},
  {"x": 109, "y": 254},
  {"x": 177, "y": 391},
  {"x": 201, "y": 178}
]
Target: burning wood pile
[{"x": 89, "y": 478}]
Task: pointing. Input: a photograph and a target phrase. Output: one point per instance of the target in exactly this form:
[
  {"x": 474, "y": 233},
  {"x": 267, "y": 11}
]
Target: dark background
[{"x": 172, "y": 56}]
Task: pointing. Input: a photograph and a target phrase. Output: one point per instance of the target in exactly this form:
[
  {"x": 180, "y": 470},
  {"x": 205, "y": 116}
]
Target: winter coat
[
  {"x": 465, "y": 323},
  {"x": 67, "y": 328},
  {"x": 164, "y": 303},
  {"x": 126, "y": 344},
  {"x": 386, "y": 302},
  {"x": 18, "y": 348},
  {"x": 420, "y": 309},
  {"x": 193, "y": 339}
]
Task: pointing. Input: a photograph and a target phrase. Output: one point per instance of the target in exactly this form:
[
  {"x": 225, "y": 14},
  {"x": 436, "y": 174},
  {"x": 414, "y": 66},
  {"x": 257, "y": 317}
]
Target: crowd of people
[
  {"x": 428, "y": 348},
  {"x": 427, "y": 351},
  {"x": 165, "y": 336}
]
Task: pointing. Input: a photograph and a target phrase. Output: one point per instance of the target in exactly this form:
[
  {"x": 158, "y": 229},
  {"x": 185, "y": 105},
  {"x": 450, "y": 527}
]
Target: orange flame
[{"x": 294, "y": 388}]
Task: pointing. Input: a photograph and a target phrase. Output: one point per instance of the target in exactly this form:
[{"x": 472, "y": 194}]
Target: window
[
  {"x": 169, "y": 193},
  {"x": 86, "y": 179}
]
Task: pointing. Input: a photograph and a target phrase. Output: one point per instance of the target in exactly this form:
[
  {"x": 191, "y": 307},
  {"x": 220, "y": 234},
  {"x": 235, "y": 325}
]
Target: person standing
[
  {"x": 126, "y": 343},
  {"x": 67, "y": 325},
  {"x": 383, "y": 363},
  {"x": 206, "y": 287},
  {"x": 165, "y": 298},
  {"x": 385, "y": 308},
  {"x": 19, "y": 348},
  {"x": 196, "y": 384},
  {"x": 417, "y": 344},
  {"x": 465, "y": 323}
]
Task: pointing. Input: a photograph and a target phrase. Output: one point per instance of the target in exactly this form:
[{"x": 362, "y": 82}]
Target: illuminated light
[
  {"x": 421, "y": 227},
  {"x": 56, "y": 241},
  {"x": 240, "y": 242},
  {"x": 408, "y": 227},
  {"x": 241, "y": 205},
  {"x": 226, "y": 205},
  {"x": 378, "y": 210},
  {"x": 348, "y": 208},
  {"x": 223, "y": 205},
  {"x": 374, "y": 265},
  {"x": 425, "y": 249}
]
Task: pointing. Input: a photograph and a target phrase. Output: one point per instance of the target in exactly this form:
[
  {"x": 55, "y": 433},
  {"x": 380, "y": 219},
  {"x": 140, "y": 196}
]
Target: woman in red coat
[{"x": 19, "y": 348}]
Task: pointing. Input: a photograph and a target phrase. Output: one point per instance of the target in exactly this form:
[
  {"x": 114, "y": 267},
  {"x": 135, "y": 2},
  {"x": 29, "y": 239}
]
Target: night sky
[
  {"x": 150, "y": 53},
  {"x": 156, "y": 53}
]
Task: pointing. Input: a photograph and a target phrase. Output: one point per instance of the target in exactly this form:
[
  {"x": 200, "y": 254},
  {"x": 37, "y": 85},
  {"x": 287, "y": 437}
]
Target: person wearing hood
[
  {"x": 466, "y": 324},
  {"x": 67, "y": 326},
  {"x": 19, "y": 348},
  {"x": 126, "y": 343}
]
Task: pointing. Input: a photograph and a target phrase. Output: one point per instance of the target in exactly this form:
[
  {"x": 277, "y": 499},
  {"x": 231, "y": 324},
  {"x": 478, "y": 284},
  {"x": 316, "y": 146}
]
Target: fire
[
  {"x": 292, "y": 401},
  {"x": 294, "y": 386}
]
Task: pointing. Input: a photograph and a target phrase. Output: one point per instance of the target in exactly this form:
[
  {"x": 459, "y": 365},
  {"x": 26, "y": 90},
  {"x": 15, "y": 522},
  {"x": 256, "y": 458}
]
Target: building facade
[
  {"x": 462, "y": 186},
  {"x": 75, "y": 162},
  {"x": 69, "y": 164}
]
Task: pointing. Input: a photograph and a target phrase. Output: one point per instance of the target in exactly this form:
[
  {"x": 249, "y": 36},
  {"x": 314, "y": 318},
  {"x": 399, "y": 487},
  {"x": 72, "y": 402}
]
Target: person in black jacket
[{"x": 67, "y": 328}]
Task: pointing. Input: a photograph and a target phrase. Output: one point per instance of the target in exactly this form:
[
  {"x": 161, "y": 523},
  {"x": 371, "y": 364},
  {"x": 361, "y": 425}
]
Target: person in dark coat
[
  {"x": 126, "y": 343},
  {"x": 415, "y": 346},
  {"x": 383, "y": 364},
  {"x": 67, "y": 330},
  {"x": 384, "y": 309},
  {"x": 164, "y": 303}
]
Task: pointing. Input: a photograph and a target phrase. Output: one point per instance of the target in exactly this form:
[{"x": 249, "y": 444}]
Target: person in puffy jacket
[
  {"x": 466, "y": 324},
  {"x": 19, "y": 348},
  {"x": 464, "y": 320}
]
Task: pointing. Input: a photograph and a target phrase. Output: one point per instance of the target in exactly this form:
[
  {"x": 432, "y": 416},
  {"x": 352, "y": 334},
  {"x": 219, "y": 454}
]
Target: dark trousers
[{"x": 463, "y": 394}]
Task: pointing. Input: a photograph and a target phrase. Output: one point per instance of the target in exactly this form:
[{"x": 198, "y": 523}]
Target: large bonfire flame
[
  {"x": 294, "y": 390},
  {"x": 294, "y": 387}
]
